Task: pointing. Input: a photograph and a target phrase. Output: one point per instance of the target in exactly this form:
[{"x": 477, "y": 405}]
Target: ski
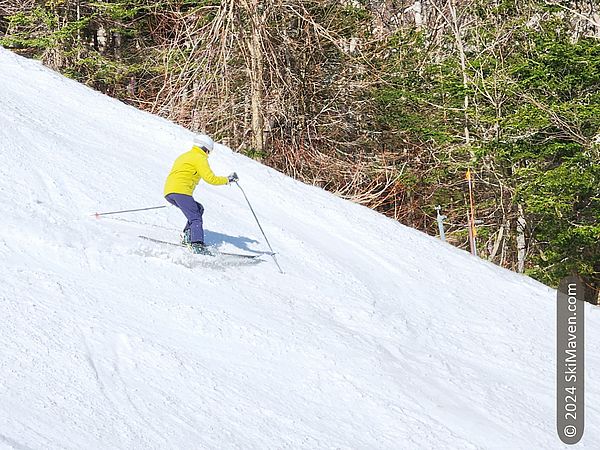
[{"x": 213, "y": 252}]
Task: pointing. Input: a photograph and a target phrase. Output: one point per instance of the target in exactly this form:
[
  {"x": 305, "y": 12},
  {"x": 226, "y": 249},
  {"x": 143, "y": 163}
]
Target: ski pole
[
  {"x": 127, "y": 211},
  {"x": 259, "y": 226}
]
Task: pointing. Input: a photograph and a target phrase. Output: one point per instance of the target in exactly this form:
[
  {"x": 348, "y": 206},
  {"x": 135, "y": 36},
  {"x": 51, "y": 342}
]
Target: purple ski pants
[{"x": 192, "y": 211}]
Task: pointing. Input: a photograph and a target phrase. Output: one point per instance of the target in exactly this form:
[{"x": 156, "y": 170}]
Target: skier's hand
[{"x": 233, "y": 177}]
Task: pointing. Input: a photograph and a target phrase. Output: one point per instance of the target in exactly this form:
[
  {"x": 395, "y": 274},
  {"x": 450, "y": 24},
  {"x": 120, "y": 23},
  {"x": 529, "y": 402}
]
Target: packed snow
[{"x": 375, "y": 337}]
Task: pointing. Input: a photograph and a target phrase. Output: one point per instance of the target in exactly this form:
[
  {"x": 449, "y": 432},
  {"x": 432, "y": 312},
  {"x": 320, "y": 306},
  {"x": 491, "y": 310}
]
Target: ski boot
[
  {"x": 199, "y": 248},
  {"x": 186, "y": 237}
]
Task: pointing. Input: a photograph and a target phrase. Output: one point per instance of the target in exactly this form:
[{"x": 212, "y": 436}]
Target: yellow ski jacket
[{"x": 187, "y": 171}]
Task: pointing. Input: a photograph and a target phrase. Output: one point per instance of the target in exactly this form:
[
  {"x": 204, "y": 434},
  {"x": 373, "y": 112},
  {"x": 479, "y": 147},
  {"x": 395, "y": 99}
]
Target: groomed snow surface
[{"x": 376, "y": 337}]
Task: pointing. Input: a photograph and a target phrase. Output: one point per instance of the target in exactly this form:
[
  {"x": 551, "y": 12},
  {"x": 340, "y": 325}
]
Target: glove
[{"x": 233, "y": 177}]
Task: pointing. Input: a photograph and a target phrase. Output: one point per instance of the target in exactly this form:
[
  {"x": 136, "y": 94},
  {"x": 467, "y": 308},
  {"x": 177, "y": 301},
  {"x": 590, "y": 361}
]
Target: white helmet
[{"x": 203, "y": 141}]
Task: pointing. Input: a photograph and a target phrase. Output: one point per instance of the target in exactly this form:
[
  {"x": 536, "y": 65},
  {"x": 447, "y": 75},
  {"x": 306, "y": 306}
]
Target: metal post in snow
[{"x": 440, "y": 221}]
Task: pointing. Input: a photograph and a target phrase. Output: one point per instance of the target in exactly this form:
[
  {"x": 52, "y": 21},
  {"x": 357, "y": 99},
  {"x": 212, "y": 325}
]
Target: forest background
[{"x": 384, "y": 102}]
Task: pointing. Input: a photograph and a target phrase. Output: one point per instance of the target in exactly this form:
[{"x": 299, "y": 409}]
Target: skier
[{"x": 187, "y": 171}]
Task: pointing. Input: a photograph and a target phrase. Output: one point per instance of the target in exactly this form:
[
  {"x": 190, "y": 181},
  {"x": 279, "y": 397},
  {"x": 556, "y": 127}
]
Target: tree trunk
[
  {"x": 256, "y": 70},
  {"x": 521, "y": 241}
]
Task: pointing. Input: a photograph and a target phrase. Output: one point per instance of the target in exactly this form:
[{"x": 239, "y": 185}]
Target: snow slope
[{"x": 377, "y": 336}]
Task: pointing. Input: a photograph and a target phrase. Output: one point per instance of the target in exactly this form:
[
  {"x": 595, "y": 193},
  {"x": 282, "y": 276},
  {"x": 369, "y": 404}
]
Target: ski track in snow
[{"x": 377, "y": 336}]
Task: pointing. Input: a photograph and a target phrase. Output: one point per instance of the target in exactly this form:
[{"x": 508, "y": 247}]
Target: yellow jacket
[{"x": 187, "y": 171}]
